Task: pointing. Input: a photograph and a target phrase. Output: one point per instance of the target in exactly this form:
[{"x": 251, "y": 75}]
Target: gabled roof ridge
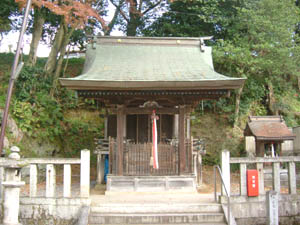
[{"x": 176, "y": 41}]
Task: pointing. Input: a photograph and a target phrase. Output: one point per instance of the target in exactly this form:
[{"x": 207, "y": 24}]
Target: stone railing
[
  {"x": 259, "y": 162},
  {"x": 50, "y": 173},
  {"x": 48, "y": 206}
]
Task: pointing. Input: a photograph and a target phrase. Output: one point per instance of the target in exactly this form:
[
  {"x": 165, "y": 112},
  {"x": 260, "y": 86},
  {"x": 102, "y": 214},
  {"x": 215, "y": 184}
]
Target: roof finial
[{"x": 202, "y": 39}]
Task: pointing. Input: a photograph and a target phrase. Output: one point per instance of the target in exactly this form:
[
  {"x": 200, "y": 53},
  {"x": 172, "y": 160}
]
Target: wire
[{"x": 194, "y": 14}]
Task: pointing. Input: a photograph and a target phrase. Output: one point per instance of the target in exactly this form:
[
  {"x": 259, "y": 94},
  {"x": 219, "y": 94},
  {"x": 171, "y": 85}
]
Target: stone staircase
[{"x": 159, "y": 210}]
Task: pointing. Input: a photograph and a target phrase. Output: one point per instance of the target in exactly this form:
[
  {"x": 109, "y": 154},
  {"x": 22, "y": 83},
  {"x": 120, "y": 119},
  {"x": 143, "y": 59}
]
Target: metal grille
[{"x": 137, "y": 160}]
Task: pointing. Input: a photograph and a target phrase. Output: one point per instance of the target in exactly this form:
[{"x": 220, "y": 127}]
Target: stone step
[
  {"x": 214, "y": 223},
  {"x": 157, "y": 208},
  {"x": 155, "y": 218}
]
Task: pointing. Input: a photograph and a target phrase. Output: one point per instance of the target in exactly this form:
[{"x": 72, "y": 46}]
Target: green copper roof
[{"x": 149, "y": 63}]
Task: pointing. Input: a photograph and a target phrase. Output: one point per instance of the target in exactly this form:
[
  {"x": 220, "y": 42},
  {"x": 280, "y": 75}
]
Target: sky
[{"x": 11, "y": 39}]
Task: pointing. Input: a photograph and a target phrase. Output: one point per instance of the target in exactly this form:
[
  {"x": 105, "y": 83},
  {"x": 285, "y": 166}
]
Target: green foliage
[
  {"x": 264, "y": 49},
  {"x": 23, "y": 113},
  {"x": 215, "y": 129},
  {"x": 8, "y": 8},
  {"x": 45, "y": 119},
  {"x": 42, "y": 117},
  {"x": 194, "y": 18},
  {"x": 33, "y": 108}
]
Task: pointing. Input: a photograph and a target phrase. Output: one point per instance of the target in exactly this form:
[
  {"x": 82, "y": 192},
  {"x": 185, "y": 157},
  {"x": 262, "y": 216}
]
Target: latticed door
[{"x": 137, "y": 160}]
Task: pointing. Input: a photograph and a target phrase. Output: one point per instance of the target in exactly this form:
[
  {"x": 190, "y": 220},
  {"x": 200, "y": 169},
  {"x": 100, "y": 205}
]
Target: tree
[
  {"x": 8, "y": 8},
  {"x": 264, "y": 48},
  {"x": 37, "y": 31},
  {"x": 133, "y": 14},
  {"x": 72, "y": 15},
  {"x": 193, "y": 18}
]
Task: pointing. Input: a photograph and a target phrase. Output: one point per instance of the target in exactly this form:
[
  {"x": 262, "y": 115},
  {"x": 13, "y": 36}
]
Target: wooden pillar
[
  {"x": 181, "y": 131},
  {"x": 260, "y": 149},
  {"x": 106, "y": 127},
  {"x": 120, "y": 139},
  {"x": 124, "y": 125},
  {"x": 189, "y": 143},
  {"x": 175, "y": 126},
  {"x": 188, "y": 125}
]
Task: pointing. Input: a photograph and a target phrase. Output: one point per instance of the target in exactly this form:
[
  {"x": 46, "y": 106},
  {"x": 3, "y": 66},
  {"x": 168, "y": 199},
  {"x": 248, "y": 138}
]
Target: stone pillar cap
[
  {"x": 14, "y": 153},
  {"x": 15, "y": 149}
]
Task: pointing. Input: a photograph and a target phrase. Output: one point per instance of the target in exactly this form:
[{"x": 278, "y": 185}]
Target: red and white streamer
[{"x": 154, "y": 141}]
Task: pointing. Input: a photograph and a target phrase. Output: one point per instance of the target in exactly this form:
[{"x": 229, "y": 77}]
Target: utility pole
[{"x": 13, "y": 75}]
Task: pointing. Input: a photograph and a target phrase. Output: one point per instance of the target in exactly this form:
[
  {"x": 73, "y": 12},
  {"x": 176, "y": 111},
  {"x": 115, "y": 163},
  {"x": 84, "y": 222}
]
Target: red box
[{"x": 252, "y": 183}]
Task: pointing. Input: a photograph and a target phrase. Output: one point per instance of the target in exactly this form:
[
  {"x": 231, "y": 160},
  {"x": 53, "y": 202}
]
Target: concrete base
[
  {"x": 151, "y": 183},
  {"x": 252, "y": 210},
  {"x": 62, "y": 211}
]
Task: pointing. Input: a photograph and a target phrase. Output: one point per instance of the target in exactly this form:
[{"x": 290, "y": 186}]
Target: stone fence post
[
  {"x": 85, "y": 174},
  {"x": 12, "y": 186},
  {"x": 225, "y": 167},
  {"x": 272, "y": 208}
]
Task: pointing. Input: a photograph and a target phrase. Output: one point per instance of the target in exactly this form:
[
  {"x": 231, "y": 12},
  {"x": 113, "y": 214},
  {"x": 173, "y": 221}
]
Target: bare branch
[
  {"x": 140, "y": 6},
  {"x": 120, "y": 10},
  {"x": 114, "y": 19},
  {"x": 152, "y": 7}
]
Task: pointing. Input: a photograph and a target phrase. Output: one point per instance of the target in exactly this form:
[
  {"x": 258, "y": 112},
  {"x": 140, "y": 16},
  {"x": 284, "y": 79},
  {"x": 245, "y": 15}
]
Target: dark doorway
[{"x": 138, "y": 127}]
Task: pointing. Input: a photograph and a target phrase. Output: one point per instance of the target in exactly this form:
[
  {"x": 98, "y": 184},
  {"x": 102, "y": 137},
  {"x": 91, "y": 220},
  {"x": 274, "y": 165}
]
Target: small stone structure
[
  {"x": 12, "y": 186},
  {"x": 268, "y": 135}
]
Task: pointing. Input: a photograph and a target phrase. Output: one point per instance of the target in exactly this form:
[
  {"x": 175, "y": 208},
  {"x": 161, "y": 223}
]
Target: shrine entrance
[{"x": 138, "y": 128}]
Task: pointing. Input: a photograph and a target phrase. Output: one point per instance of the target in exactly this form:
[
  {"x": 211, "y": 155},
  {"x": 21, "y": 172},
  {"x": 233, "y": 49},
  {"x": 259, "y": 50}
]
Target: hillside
[{"x": 61, "y": 124}]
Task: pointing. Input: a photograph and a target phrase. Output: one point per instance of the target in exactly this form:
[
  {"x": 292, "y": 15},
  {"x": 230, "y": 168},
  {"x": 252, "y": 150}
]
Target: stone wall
[
  {"x": 252, "y": 210},
  {"x": 51, "y": 211}
]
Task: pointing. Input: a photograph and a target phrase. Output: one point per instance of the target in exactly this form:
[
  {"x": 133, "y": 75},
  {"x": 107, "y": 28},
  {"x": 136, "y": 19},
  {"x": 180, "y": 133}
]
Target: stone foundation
[
  {"x": 151, "y": 183},
  {"x": 51, "y": 211},
  {"x": 252, "y": 210}
]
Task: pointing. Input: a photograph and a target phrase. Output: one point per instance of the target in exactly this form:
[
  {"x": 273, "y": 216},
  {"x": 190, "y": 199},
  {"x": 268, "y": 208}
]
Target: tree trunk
[
  {"x": 237, "y": 106},
  {"x": 66, "y": 64},
  {"x": 272, "y": 100},
  {"x": 51, "y": 62},
  {"x": 65, "y": 42},
  {"x": 299, "y": 83},
  {"x": 134, "y": 18},
  {"x": 38, "y": 23},
  {"x": 132, "y": 25},
  {"x": 58, "y": 66}
]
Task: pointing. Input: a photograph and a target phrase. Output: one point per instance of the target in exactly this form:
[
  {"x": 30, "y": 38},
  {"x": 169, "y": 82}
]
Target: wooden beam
[
  {"x": 120, "y": 139},
  {"x": 182, "y": 151},
  {"x": 137, "y": 110}
]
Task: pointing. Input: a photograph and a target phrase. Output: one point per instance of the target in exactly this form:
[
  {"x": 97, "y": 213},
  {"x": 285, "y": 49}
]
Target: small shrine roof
[{"x": 269, "y": 128}]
